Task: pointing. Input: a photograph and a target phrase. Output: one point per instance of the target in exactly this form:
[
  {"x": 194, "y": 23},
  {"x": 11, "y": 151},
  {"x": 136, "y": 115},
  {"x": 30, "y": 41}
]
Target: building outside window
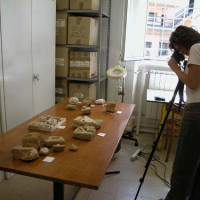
[{"x": 162, "y": 18}]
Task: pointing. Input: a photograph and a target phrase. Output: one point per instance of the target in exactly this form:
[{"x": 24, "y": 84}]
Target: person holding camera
[{"x": 185, "y": 177}]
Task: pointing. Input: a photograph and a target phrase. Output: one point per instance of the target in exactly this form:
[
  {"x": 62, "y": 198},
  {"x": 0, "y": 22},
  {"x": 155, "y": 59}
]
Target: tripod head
[{"x": 180, "y": 86}]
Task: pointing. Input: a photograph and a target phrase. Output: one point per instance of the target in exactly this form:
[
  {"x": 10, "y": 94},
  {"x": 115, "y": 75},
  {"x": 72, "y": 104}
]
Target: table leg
[{"x": 58, "y": 191}]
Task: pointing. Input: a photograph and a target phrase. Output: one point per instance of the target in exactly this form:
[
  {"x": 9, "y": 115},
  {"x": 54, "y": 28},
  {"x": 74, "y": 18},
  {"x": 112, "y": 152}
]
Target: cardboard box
[
  {"x": 84, "y": 4},
  {"x": 62, "y": 60},
  {"x": 82, "y": 90},
  {"x": 61, "y": 28},
  {"x": 59, "y": 98},
  {"x": 82, "y": 30},
  {"x": 62, "y": 4},
  {"x": 83, "y": 64},
  {"x": 61, "y": 87}
]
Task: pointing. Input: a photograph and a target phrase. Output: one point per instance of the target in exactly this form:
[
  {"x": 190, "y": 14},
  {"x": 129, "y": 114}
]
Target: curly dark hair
[{"x": 184, "y": 36}]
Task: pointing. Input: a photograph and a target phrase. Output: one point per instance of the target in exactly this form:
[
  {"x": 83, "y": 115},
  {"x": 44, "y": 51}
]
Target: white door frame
[{"x": 2, "y": 105}]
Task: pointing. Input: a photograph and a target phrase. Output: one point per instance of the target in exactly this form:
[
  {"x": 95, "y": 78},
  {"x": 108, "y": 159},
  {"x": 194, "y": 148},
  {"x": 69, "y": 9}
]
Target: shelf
[
  {"x": 82, "y": 47},
  {"x": 88, "y": 80},
  {"x": 103, "y": 16},
  {"x": 87, "y": 13}
]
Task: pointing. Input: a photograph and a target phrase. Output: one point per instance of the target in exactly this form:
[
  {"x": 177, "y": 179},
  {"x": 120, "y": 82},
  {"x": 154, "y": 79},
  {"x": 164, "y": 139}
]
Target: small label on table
[
  {"x": 48, "y": 159},
  {"x": 101, "y": 134},
  {"x": 61, "y": 127},
  {"x": 92, "y": 105},
  {"x": 119, "y": 112}
]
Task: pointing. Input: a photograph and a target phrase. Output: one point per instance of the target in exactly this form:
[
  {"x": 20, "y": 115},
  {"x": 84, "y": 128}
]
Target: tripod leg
[{"x": 158, "y": 138}]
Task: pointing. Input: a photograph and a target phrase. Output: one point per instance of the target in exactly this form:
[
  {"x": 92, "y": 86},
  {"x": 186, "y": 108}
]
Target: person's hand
[{"x": 173, "y": 64}]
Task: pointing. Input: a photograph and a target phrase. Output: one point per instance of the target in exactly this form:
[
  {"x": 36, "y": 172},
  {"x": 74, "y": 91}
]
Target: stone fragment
[
  {"x": 84, "y": 132},
  {"x": 110, "y": 107},
  {"x": 70, "y": 107},
  {"x": 73, "y": 147},
  {"x": 98, "y": 123},
  {"x": 99, "y": 101},
  {"x": 85, "y": 120},
  {"x": 58, "y": 147},
  {"x": 46, "y": 123},
  {"x": 44, "y": 151},
  {"x": 32, "y": 140},
  {"x": 52, "y": 140},
  {"x": 86, "y": 110},
  {"x": 73, "y": 100},
  {"x": 87, "y": 101},
  {"x": 24, "y": 153}
]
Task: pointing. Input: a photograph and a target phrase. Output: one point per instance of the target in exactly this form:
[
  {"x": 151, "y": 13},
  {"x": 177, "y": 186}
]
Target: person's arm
[{"x": 192, "y": 79}]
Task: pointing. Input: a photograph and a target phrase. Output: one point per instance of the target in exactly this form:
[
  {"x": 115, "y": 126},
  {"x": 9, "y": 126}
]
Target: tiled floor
[
  {"x": 121, "y": 186},
  {"x": 124, "y": 186}
]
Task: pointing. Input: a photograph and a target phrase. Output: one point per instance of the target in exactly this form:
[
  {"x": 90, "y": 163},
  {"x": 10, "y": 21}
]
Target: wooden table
[{"x": 85, "y": 167}]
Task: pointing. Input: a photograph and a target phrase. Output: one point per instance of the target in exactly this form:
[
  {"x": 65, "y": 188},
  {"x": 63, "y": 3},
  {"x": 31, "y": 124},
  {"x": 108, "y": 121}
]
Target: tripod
[{"x": 179, "y": 88}]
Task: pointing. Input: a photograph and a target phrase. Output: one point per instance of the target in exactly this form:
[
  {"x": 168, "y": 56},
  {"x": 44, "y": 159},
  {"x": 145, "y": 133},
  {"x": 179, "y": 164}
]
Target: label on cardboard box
[
  {"x": 79, "y": 31},
  {"x": 79, "y": 95},
  {"x": 79, "y": 63},
  {"x": 60, "y": 23},
  {"x": 60, "y": 62}
]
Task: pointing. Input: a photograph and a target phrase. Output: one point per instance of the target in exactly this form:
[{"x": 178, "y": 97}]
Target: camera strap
[{"x": 181, "y": 88}]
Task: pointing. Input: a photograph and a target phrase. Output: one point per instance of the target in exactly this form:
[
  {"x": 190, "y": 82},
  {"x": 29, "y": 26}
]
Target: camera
[{"x": 178, "y": 56}]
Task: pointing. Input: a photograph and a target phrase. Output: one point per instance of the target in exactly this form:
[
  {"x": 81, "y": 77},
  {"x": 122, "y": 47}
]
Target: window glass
[
  {"x": 162, "y": 19},
  {"x": 152, "y": 22}
]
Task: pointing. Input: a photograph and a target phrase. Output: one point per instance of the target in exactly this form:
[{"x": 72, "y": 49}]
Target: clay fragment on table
[
  {"x": 58, "y": 147},
  {"x": 110, "y": 107},
  {"x": 87, "y": 101},
  {"x": 46, "y": 123},
  {"x": 52, "y": 140},
  {"x": 70, "y": 107},
  {"x": 73, "y": 100},
  {"x": 84, "y": 132},
  {"x": 24, "y": 153},
  {"x": 44, "y": 151},
  {"x": 86, "y": 110},
  {"x": 33, "y": 140},
  {"x": 99, "y": 101},
  {"x": 73, "y": 147},
  {"x": 85, "y": 120}
]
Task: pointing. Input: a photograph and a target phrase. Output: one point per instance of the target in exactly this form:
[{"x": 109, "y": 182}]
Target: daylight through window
[{"x": 162, "y": 19}]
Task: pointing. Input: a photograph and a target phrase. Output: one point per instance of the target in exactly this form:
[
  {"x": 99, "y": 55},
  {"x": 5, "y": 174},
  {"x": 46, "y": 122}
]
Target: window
[
  {"x": 151, "y": 17},
  {"x": 148, "y": 44},
  {"x": 162, "y": 19},
  {"x": 149, "y": 24},
  {"x": 162, "y": 49},
  {"x": 135, "y": 28}
]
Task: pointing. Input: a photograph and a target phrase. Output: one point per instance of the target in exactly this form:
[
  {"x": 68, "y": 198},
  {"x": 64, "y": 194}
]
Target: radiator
[{"x": 159, "y": 80}]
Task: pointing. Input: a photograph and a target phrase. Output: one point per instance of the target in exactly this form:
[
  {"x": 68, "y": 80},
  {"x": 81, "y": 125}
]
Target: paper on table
[
  {"x": 101, "y": 134},
  {"x": 48, "y": 159},
  {"x": 61, "y": 127}
]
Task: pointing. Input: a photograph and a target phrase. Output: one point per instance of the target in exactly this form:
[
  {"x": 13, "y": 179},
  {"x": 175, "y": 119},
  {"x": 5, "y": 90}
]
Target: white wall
[
  {"x": 2, "y": 116},
  {"x": 133, "y": 81},
  {"x": 117, "y": 15}
]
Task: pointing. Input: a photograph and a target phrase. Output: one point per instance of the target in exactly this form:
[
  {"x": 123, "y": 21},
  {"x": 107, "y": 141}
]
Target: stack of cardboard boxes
[{"x": 75, "y": 30}]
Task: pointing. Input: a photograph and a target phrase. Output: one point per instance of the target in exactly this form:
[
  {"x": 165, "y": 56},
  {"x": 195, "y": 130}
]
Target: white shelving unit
[{"x": 103, "y": 16}]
